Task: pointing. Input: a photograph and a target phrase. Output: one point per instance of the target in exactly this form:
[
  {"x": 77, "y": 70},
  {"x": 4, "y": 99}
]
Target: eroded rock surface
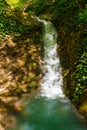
[{"x": 20, "y": 72}]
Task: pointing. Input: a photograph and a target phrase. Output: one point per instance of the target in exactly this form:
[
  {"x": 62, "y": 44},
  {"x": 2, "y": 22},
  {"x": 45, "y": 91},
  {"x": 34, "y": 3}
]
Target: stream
[{"x": 50, "y": 109}]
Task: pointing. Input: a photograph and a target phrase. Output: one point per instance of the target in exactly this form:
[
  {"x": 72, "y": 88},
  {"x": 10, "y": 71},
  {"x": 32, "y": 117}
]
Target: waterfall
[
  {"x": 49, "y": 109},
  {"x": 52, "y": 81}
]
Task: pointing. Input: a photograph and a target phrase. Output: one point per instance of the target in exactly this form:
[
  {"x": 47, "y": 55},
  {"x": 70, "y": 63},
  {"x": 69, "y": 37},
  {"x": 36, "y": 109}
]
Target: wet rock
[{"x": 83, "y": 108}]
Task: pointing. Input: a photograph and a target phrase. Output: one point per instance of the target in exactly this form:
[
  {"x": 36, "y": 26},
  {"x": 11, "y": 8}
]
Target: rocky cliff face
[
  {"x": 68, "y": 44},
  {"x": 20, "y": 71},
  {"x": 20, "y": 59},
  {"x": 71, "y": 48}
]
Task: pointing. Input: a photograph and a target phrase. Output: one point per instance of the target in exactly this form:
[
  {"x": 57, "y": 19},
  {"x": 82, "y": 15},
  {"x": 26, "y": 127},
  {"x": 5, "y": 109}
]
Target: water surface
[{"x": 49, "y": 114}]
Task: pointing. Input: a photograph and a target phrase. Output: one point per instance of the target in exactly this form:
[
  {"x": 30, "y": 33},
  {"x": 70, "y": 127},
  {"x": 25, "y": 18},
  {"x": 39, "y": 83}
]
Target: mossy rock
[{"x": 83, "y": 108}]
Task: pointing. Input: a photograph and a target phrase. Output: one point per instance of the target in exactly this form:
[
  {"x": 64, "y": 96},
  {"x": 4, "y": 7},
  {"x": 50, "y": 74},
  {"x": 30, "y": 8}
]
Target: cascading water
[
  {"x": 50, "y": 109},
  {"x": 52, "y": 81}
]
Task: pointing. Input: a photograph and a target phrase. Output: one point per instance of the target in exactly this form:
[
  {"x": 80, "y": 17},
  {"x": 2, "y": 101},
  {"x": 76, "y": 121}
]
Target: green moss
[
  {"x": 31, "y": 76},
  {"x": 19, "y": 91},
  {"x": 15, "y": 4},
  {"x": 32, "y": 85}
]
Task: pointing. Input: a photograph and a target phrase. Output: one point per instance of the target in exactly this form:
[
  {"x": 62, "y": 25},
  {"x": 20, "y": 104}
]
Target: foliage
[
  {"x": 15, "y": 3},
  {"x": 81, "y": 70},
  {"x": 83, "y": 14},
  {"x": 8, "y": 25}
]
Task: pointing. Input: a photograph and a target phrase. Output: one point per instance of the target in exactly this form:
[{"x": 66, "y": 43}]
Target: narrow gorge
[
  {"x": 50, "y": 108},
  {"x": 43, "y": 65}
]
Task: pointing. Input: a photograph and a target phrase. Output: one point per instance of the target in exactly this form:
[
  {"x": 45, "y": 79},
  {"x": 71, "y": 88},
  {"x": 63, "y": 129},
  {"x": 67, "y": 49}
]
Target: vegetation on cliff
[
  {"x": 20, "y": 51},
  {"x": 70, "y": 19}
]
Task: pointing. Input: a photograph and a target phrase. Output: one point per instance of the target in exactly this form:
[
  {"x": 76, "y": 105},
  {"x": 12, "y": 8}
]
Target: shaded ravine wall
[{"x": 68, "y": 44}]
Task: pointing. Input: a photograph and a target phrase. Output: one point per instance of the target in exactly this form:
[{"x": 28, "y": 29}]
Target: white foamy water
[{"x": 52, "y": 81}]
